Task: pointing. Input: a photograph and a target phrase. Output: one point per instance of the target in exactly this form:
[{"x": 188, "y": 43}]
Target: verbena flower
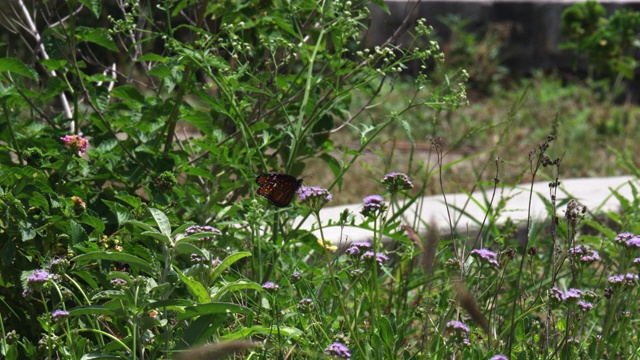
[
  {"x": 562, "y": 296},
  {"x": 624, "y": 279},
  {"x": 633, "y": 242},
  {"x": 370, "y": 256},
  {"x": 305, "y": 305},
  {"x": 585, "y": 306},
  {"x": 313, "y": 194},
  {"x": 195, "y": 229},
  {"x": 58, "y": 266},
  {"x": 339, "y": 350},
  {"x": 357, "y": 247},
  {"x": 195, "y": 258},
  {"x": 636, "y": 261},
  {"x": 75, "y": 143},
  {"x": 270, "y": 286},
  {"x": 499, "y": 357},
  {"x": 458, "y": 331},
  {"x": 36, "y": 281},
  {"x": 485, "y": 256},
  {"x": 623, "y": 237},
  {"x": 584, "y": 254},
  {"x": 373, "y": 205},
  {"x": 396, "y": 181},
  {"x": 295, "y": 276},
  {"x": 59, "y": 315},
  {"x": 215, "y": 262}
]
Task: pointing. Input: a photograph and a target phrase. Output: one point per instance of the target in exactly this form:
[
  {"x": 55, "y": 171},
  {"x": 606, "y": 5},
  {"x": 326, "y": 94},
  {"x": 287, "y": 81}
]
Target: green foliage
[
  {"x": 608, "y": 43},
  {"x": 129, "y": 124},
  {"x": 130, "y": 228}
]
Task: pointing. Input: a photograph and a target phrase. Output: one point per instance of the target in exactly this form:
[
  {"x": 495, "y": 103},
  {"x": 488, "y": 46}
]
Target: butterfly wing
[{"x": 278, "y": 189}]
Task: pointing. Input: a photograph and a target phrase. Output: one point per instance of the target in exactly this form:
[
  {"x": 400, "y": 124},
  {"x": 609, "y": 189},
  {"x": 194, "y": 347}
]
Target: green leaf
[
  {"x": 289, "y": 332},
  {"x": 99, "y": 36},
  {"x": 94, "y": 5},
  {"x": 53, "y": 65},
  {"x": 196, "y": 289},
  {"x": 121, "y": 212},
  {"x": 16, "y": 66},
  {"x": 114, "y": 256},
  {"x": 128, "y": 92},
  {"x": 91, "y": 310},
  {"x": 77, "y": 233},
  {"x": 156, "y": 235},
  {"x": 152, "y": 57},
  {"x": 213, "y": 308},
  {"x": 162, "y": 220},
  {"x": 200, "y": 119},
  {"x": 228, "y": 261},
  {"x": 236, "y": 286}
]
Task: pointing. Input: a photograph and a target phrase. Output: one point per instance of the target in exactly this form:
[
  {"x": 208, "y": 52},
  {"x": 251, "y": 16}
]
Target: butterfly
[{"x": 279, "y": 189}]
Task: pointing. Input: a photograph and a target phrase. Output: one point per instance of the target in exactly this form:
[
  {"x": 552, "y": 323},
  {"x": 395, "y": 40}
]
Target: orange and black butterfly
[{"x": 279, "y": 189}]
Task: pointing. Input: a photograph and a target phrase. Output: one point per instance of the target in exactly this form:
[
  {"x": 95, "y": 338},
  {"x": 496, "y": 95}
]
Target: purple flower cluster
[
  {"x": 356, "y": 248},
  {"x": 585, "y": 306},
  {"x": 572, "y": 295},
  {"x": 622, "y": 238},
  {"x": 314, "y": 192},
  {"x": 625, "y": 279},
  {"x": 634, "y": 241},
  {"x": 58, "y": 266},
  {"x": 396, "y": 181},
  {"x": 195, "y": 229},
  {"x": 370, "y": 256},
  {"x": 585, "y": 255},
  {"x": 59, "y": 315},
  {"x": 338, "y": 349},
  {"x": 305, "y": 305},
  {"x": 562, "y": 296},
  {"x": 499, "y": 357},
  {"x": 485, "y": 256},
  {"x": 36, "y": 281},
  {"x": 373, "y": 205},
  {"x": 270, "y": 286},
  {"x": 459, "y": 331}
]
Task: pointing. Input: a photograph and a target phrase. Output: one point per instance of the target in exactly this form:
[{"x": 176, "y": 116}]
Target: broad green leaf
[
  {"x": 200, "y": 119},
  {"x": 236, "y": 286},
  {"x": 152, "y": 57},
  {"x": 228, "y": 261},
  {"x": 16, "y": 66},
  {"x": 99, "y": 36},
  {"x": 142, "y": 225},
  {"x": 53, "y": 65},
  {"x": 156, "y": 235},
  {"x": 129, "y": 93},
  {"x": 196, "y": 289},
  {"x": 76, "y": 232},
  {"x": 122, "y": 213},
  {"x": 289, "y": 332},
  {"x": 162, "y": 220},
  {"x": 94, "y": 5},
  {"x": 91, "y": 310},
  {"x": 114, "y": 256},
  {"x": 213, "y": 308},
  {"x": 174, "y": 304}
]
